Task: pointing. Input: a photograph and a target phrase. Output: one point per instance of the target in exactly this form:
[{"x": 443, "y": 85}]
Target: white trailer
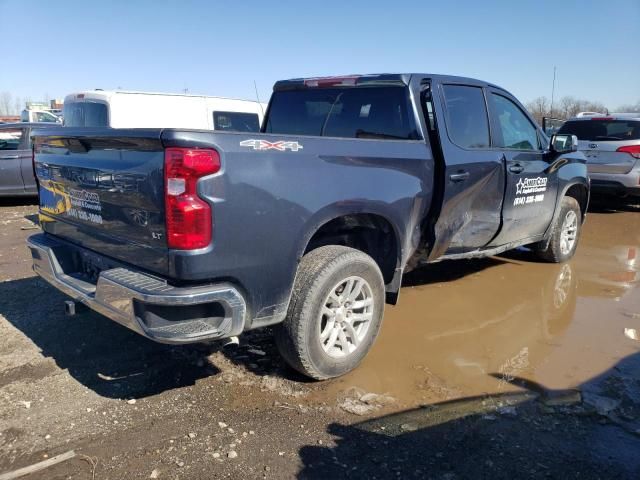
[{"x": 125, "y": 109}]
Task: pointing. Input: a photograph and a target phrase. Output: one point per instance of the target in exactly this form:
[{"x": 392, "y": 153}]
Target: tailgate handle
[
  {"x": 516, "y": 168},
  {"x": 459, "y": 177}
]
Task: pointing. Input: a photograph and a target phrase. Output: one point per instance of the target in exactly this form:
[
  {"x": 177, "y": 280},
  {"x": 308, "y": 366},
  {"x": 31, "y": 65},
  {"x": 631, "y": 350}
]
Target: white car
[
  {"x": 39, "y": 116},
  {"x": 124, "y": 109}
]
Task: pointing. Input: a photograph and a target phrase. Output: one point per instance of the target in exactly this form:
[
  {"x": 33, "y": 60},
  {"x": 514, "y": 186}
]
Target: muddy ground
[{"x": 496, "y": 368}]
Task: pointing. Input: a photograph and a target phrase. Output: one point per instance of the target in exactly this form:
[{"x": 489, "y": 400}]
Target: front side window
[
  {"x": 85, "y": 114},
  {"x": 516, "y": 131},
  {"x": 364, "y": 112},
  {"x": 466, "y": 116},
  {"x": 10, "y": 139},
  {"x": 236, "y": 121}
]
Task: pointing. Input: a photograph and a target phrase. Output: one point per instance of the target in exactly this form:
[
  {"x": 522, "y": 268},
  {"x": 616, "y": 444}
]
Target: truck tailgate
[{"x": 104, "y": 190}]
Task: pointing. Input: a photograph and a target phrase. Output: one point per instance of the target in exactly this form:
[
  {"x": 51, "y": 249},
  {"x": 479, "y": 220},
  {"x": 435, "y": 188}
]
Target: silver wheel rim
[
  {"x": 569, "y": 232},
  {"x": 562, "y": 286},
  {"x": 346, "y": 316}
]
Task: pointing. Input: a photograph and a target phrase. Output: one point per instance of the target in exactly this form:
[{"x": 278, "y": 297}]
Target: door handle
[
  {"x": 459, "y": 177},
  {"x": 516, "y": 168}
]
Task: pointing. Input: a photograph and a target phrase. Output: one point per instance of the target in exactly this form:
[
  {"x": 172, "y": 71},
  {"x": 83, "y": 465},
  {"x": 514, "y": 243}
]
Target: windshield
[
  {"x": 602, "y": 130},
  {"x": 85, "y": 114},
  {"x": 371, "y": 112}
]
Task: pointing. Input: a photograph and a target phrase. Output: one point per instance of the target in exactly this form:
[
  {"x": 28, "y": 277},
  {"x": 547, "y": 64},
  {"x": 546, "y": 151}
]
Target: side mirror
[{"x": 563, "y": 143}]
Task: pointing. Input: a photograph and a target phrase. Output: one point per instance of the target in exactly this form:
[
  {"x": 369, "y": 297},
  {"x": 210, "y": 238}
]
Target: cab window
[
  {"x": 466, "y": 116},
  {"x": 236, "y": 121},
  {"x": 516, "y": 132}
]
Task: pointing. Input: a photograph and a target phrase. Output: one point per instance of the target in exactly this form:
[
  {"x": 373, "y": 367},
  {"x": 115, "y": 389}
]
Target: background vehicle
[
  {"x": 16, "y": 168},
  {"x": 187, "y": 236},
  {"x": 39, "y": 116},
  {"x": 612, "y": 147},
  {"x": 122, "y": 109}
]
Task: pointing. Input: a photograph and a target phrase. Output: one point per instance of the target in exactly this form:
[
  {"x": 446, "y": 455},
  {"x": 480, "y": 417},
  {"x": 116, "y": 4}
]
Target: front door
[
  {"x": 11, "y": 146},
  {"x": 531, "y": 186}
]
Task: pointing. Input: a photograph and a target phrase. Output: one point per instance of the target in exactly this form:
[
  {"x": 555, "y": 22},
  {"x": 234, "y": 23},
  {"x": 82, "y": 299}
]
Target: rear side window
[
  {"x": 365, "y": 112},
  {"x": 10, "y": 139},
  {"x": 602, "y": 130},
  {"x": 85, "y": 114},
  {"x": 516, "y": 130},
  {"x": 466, "y": 116},
  {"x": 236, "y": 121}
]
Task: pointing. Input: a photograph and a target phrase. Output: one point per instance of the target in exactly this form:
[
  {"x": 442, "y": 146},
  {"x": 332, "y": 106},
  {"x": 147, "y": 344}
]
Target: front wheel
[
  {"x": 335, "y": 312},
  {"x": 565, "y": 232}
]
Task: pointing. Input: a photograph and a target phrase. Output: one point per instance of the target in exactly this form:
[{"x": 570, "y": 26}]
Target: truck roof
[{"x": 375, "y": 79}]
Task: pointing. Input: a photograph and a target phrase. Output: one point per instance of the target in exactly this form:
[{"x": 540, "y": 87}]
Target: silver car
[
  {"x": 612, "y": 146},
  {"x": 16, "y": 170}
]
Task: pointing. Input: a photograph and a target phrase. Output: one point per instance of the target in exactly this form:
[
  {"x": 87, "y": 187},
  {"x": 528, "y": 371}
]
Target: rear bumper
[
  {"x": 610, "y": 187},
  {"x": 146, "y": 304},
  {"x": 617, "y": 184}
]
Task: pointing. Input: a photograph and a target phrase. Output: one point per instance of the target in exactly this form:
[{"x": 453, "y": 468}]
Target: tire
[
  {"x": 318, "y": 306},
  {"x": 567, "y": 224}
]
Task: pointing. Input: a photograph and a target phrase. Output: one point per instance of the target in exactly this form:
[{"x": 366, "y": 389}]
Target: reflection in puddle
[{"x": 471, "y": 327}]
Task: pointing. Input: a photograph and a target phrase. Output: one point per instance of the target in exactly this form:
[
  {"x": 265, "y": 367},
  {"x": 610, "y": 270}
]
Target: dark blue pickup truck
[{"x": 188, "y": 236}]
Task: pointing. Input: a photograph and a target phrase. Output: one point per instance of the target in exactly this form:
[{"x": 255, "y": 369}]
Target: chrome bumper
[{"x": 141, "y": 302}]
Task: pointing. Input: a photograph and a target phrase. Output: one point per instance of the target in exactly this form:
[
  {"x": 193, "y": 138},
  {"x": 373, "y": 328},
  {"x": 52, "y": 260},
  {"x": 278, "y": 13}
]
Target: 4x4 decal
[{"x": 281, "y": 145}]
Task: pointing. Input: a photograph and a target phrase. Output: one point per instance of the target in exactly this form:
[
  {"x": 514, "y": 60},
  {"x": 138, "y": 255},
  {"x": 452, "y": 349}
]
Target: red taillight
[
  {"x": 188, "y": 217},
  {"x": 633, "y": 150}
]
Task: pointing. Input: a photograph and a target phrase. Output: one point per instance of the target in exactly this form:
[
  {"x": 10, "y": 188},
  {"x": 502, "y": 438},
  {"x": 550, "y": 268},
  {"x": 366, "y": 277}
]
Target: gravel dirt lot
[{"x": 496, "y": 368}]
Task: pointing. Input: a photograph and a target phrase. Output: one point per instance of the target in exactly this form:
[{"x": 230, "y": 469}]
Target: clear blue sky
[{"x": 220, "y": 48}]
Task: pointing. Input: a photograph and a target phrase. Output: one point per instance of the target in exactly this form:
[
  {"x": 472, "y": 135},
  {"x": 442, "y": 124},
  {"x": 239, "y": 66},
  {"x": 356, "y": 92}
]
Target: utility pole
[{"x": 553, "y": 90}]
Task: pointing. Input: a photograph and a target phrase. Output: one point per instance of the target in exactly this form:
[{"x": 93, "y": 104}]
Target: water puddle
[{"x": 487, "y": 326}]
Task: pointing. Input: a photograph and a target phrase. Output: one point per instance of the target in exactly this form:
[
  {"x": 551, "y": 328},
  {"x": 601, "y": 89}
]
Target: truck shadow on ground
[
  {"x": 105, "y": 357},
  {"x": 590, "y": 432}
]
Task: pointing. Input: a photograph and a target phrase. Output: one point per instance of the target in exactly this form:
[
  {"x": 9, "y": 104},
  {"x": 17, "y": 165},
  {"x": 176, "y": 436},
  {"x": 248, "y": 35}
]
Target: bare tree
[
  {"x": 5, "y": 103},
  {"x": 17, "y": 106},
  {"x": 566, "y": 107},
  {"x": 538, "y": 107},
  {"x": 629, "y": 108}
]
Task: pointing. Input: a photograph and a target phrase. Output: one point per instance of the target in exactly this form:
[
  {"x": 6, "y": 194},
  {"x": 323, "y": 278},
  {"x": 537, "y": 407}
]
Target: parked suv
[{"x": 612, "y": 147}]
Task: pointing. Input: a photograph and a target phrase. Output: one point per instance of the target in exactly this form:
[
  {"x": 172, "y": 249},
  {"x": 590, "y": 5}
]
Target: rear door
[
  {"x": 473, "y": 171},
  {"x": 12, "y": 149},
  {"x": 531, "y": 185}
]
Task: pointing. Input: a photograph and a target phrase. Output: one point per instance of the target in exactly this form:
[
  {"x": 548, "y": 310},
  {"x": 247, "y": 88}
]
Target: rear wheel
[
  {"x": 335, "y": 312},
  {"x": 564, "y": 234}
]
